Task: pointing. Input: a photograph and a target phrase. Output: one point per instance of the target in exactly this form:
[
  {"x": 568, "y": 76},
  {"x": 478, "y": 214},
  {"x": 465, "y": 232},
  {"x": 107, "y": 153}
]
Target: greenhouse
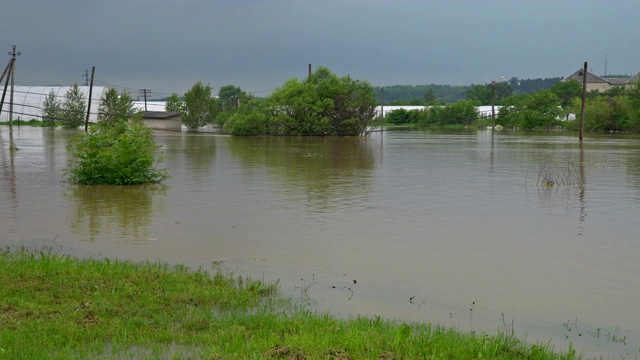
[{"x": 28, "y": 101}]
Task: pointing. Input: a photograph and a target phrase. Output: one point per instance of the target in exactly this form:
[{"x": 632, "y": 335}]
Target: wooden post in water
[{"x": 584, "y": 99}]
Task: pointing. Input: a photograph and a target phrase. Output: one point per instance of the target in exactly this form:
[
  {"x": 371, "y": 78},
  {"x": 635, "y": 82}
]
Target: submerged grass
[{"x": 56, "y": 306}]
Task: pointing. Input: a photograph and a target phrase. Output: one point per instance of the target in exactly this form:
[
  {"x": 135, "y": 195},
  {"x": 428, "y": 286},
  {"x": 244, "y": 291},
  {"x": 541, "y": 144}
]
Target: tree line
[
  {"x": 445, "y": 94},
  {"x": 71, "y": 112},
  {"x": 322, "y": 104},
  {"x": 617, "y": 109},
  {"x": 326, "y": 104}
]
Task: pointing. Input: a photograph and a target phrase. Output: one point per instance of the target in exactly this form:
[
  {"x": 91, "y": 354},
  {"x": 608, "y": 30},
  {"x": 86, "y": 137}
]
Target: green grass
[{"x": 57, "y": 307}]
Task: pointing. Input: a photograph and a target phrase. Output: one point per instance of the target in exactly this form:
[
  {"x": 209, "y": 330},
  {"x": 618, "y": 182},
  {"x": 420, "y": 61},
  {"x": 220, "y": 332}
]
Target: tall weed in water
[{"x": 553, "y": 173}]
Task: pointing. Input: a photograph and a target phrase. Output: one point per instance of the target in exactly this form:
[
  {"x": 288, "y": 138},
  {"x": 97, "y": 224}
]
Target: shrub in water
[{"x": 115, "y": 153}]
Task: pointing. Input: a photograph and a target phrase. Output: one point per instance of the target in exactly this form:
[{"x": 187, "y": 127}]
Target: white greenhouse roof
[
  {"x": 28, "y": 100},
  {"x": 484, "y": 110}
]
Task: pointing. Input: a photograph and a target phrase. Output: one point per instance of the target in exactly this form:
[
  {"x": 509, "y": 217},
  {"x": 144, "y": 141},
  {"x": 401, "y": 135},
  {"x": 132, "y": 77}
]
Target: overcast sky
[{"x": 168, "y": 45}]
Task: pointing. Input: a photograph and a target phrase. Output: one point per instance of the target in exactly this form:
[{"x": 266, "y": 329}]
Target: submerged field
[
  {"x": 439, "y": 227},
  {"x": 56, "y": 306}
]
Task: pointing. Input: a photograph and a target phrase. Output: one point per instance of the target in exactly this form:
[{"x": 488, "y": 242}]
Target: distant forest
[
  {"x": 446, "y": 94},
  {"x": 419, "y": 94}
]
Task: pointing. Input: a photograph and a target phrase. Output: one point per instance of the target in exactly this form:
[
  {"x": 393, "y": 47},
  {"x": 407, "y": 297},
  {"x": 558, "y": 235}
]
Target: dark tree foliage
[
  {"x": 231, "y": 96},
  {"x": 527, "y": 86},
  {"x": 446, "y": 94},
  {"x": 430, "y": 97},
  {"x": 481, "y": 94},
  {"x": 432, "y": 94},
  {"x": 412, "y": 102},
  {"x": 566, "y": 91}
]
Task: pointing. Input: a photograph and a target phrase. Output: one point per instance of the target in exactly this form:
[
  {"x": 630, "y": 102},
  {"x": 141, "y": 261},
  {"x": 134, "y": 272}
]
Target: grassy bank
[{"x": 55, "y": 306}]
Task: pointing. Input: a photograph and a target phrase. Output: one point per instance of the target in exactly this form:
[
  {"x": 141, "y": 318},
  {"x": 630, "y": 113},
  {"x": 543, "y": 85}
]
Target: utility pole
[
  {"x": 13, "y": 70},
  {"x": 86, "y": 122},
  {"x": 86, "y": 77},
  {"x": 309, "y": 69},
  {"x": 7, "y": 71},
  {"x": 584, "y": 99},
  {"x": 145, "y": 92}
]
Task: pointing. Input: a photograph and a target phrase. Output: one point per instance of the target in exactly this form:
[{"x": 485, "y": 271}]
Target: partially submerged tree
[
  {"x": 230, "y": 99},
  {"x": 174, "y": 104},
  {"x": 231, "y": 96},
  {"x": 200, "y": 106},
  {"x": 115, "y": 107},
  {"x": 74, "y": 108},
  {"x": 458, "y": 113},
  {"x": 531, "y": 111},
  {"x": 51, "y": 109}
]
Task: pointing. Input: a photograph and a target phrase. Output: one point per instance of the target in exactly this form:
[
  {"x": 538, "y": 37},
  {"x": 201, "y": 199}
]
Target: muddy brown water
[{"x": 449, "y": 228}]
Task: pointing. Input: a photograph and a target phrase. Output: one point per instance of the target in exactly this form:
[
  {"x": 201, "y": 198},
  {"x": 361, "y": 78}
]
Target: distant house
[
  {"x": 601, "y": 84},
  {"x": 162, "y": 120}
]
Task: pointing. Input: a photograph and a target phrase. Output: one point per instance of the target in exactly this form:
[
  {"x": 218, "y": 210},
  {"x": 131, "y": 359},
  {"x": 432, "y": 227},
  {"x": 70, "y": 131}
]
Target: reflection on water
[
  {"x": 124, "y": 210},
  {"x": 581, "y": 196},
  {"x": 428, "y": 223},
  {"x": 196, "y": 150},
  {"x": 324, "y": 172},
  {"x": 7, "y": 162}
]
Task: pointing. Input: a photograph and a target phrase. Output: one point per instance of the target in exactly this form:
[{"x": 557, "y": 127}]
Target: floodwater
[{"x": 449, "y": 228}]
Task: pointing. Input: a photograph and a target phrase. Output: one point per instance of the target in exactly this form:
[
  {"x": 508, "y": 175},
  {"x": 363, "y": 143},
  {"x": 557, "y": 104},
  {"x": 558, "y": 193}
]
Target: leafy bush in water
[
  {"x": 458, "y": 113},
  {"x": 403, "y": 116},
  {"x": 117, "y": 153},
  {"x": 323, "y": 104}
]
